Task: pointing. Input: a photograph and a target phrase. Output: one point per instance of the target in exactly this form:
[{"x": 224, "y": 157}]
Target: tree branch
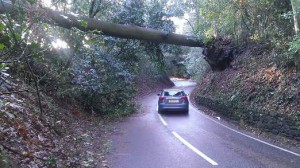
[
  {"x": 36, "y": 86},
  {"x": 18, "y": 91}
]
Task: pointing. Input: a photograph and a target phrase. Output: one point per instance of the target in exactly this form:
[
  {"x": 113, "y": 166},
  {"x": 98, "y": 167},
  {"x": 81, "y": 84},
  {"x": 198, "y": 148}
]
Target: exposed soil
[{"x": 219, "y": 54}]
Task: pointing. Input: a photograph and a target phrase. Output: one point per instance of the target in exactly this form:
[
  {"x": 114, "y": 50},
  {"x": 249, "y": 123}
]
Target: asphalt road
[{"x": 150, "y": 140}]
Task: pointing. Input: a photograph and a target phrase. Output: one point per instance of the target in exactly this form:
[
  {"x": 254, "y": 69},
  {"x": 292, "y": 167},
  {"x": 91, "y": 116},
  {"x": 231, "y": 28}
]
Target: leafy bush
[
  {"x": 195, "y": 63},
  {"x": 4, "y": 162},
  {"x": 100, "y": 82},
  {"x": 293, "y": 51}
]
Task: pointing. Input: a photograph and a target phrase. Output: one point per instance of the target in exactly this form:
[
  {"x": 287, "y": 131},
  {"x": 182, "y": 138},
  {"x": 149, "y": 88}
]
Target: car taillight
[
  {"x": 184, "y": 98},
  {"x": 162, "y": 98}
]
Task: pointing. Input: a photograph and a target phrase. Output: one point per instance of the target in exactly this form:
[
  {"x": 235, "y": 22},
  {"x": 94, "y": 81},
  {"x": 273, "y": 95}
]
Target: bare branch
[{"x": 17, "y": 91}]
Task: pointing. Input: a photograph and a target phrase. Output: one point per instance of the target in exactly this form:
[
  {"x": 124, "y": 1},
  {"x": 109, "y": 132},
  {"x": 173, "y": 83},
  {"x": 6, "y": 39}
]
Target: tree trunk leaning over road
[
  {"x": 105, "y": 28},
  {"x": 215, "y": 56}
]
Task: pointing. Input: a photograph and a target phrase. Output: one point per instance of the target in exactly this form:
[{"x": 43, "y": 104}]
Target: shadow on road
[{"x": 174, "y": 114}]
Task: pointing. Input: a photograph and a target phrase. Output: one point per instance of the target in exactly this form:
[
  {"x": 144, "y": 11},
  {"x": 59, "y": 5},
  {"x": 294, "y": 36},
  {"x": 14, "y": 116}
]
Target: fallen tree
[{"x": 215, "y": 56}]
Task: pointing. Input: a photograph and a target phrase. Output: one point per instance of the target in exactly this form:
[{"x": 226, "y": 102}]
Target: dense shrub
[
  {"x": 99, "y": 82},
  {"x": 195, "y": 64}
]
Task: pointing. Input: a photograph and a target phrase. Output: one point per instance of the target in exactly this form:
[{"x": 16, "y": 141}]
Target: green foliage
[
  {"x": 132, "y": 12},
  {"x": 51, "y": 161},
  {"x": 98, "y": 72},
  {"x": 3, "y": 68},
  {"x": 158, "y": 16},
  {"x": 178, "y": 69},
  {"x": 207, "y": 40},
  {"x": 294, "y": 46},
  {"x": 244, "y": 21},
  {"x": 292, "y": 53},
  {"x": 83, "y": 23},
  {"x": 288, "y": 15},
  {"x": 31, "y": 2},
  {"x": 6, "y": 112},
  {"x": 99, "y": 82},
  {"x": 2, "y": 26},
  {"x": 4, "y": 38},
  {"x": 4, "y": 161},
  {"x": 195, "y": 64},
  {"x": 1, "y": 46}
]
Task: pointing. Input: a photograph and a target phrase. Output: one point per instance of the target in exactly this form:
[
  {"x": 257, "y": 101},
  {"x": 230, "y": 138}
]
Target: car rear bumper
[{"x": 173, "y": 107}]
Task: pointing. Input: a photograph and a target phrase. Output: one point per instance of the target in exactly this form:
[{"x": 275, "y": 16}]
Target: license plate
[{"x": 173, "y": 101}]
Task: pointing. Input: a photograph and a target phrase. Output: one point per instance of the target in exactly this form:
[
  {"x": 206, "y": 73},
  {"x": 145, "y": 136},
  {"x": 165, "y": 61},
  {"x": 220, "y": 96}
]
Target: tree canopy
[
  {"x": 88, "y": 59},
  {"x": 72, "y": 57}
]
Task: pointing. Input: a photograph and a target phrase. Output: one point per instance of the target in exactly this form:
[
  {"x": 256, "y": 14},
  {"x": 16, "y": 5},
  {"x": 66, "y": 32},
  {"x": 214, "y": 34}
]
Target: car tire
[
  {"x": 186, "y": 112},
  {"x": 160, "y": 111}
]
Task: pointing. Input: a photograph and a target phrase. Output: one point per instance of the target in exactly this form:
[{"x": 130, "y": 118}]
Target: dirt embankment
[
  {"x": 257, "y": 91},
  {"x": 147, "y": 85},
  {"x": 63, "y": 136}
]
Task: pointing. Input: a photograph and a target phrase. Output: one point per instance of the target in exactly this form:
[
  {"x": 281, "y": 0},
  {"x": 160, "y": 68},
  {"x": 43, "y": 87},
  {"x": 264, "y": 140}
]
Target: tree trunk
[
  {"x": 296, "y": 14},
  {"x": 218, "y": 56},
  {"x": 101, "y": 27}
]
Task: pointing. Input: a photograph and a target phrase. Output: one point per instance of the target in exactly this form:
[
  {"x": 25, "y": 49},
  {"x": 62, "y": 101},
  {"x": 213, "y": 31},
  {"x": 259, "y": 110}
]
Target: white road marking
[
  {"x": 266, "y": 143},
  {"x": 162, "y": 120},
  {"x": 186, "y": 143}
]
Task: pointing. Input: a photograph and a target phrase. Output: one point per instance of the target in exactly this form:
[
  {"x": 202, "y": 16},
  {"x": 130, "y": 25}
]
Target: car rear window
[{"x": 174, "y": 93}]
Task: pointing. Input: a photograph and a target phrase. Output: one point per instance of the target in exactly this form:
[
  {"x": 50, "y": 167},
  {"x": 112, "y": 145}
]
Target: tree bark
[
  {"x": 296, "y": 14},
  {"x": 105, "y": 28}
]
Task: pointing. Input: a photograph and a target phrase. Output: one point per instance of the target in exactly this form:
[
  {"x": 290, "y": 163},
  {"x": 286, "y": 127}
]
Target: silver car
[{"x": 173, "y": 100}]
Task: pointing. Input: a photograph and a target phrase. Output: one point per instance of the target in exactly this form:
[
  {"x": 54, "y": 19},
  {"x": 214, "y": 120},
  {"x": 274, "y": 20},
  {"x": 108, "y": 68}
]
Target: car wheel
[{"x": 160, "y": 111}]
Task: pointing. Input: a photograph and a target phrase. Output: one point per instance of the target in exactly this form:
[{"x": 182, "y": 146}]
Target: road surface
[{"x": 150, "y": 140}]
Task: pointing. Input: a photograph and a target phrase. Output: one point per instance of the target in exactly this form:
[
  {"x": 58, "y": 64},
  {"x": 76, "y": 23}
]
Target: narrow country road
[{"x": 150, "y": 140}]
